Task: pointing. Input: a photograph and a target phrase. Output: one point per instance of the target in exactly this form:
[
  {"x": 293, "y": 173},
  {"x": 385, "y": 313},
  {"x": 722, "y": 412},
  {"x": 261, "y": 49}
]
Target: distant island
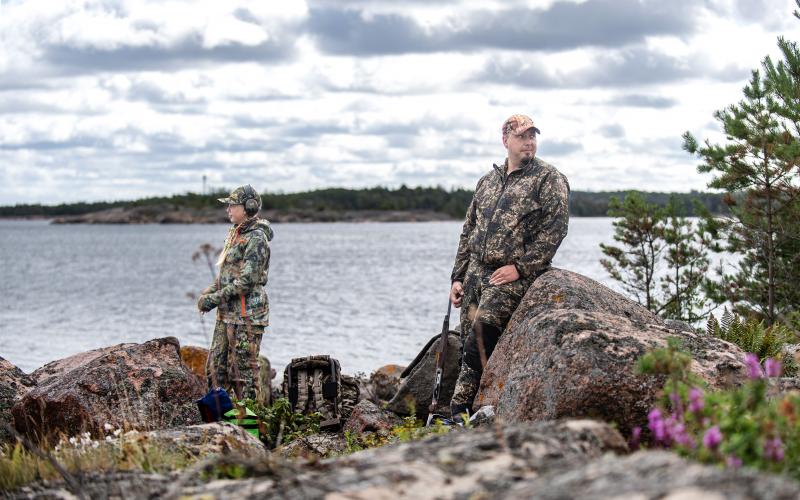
[{"x": 377, "y": 204}]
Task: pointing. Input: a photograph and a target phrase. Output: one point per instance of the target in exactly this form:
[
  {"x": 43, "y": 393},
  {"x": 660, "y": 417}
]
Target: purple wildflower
[
  {"x": 773, "y": 367},
  {"x": 695, "y": 400},
  {"x": 680, "y": 435},
  {"x": 733, "y": 461},
  {"x": 773, "y": 449},
  {"x": 658, "y": 427},
  {"x": 677, "y": 403},
  {"x": 753, "y": 366},
  {"x": 636, "y": 437},
  {"x": 712, "y": 438}
]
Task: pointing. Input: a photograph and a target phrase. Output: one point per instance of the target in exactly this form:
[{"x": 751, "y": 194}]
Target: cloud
[
  {"x": 621, "y": 68},
  {"x": 558, "y": 148},
  {"x": 612, "y": 131},
  {"x": 562, "y": 26},
  {"x": 129, "y": 35},
  {"x": 643, "y": 101}
]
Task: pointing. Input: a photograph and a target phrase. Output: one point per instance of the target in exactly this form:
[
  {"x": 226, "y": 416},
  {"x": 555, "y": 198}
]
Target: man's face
[
  {"x": 522, "y": 147},
  {"x": 236, "y": 213}
]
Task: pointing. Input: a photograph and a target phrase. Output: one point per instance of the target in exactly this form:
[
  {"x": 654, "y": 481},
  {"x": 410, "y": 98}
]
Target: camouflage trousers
[
  {"x": 485, "y": 312},
  {"x": 233, "y": 359}
]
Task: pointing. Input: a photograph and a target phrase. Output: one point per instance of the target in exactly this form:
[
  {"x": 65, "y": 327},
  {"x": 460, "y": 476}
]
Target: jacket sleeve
[
  {"x": 462, "y": 255},
  {"x": 550, "y": 229},
  {"x": 254, "y": 266}
]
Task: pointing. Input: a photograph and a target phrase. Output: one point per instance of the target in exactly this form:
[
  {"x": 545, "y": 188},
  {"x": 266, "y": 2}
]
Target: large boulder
[
  {"x": 385, "y": 381},
  {"x": 14, "y": 384},
  {"x": 569, "y": 352},
  {"x": 130, "y": 386},
  {"x": 367, "y": 417},
  {"x": 323, "y": 444},
  {"x": 204, "y": 440},
  {"x": 542, "y": 460},
  {"x": 195, "y": 358}
]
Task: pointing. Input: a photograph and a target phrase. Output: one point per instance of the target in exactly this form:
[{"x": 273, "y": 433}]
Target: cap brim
[
  {"x": 224, "y": 200},
  {"x": 535, "y": 129}
]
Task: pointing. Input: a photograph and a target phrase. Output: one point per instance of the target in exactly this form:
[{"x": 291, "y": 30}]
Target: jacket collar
[{"x": 527, "y": 168}]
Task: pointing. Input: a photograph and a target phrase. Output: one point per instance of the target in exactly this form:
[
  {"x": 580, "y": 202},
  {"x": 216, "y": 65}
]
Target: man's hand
[
  {"x": 207, "y": 302},
  {"x": 503, "y": 275},
  {"x": 456, "y": 293}
]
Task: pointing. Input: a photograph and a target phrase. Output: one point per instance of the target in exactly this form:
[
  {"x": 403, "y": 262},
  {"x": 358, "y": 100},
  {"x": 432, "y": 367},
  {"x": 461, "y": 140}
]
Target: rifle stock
[{"x": 441, "y": 356}]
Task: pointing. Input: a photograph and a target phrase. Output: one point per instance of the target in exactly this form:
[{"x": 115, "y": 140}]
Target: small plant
[
  {"x": 115, "y": 451},
  {"x": 411, "y": 429},
  {"x": 279, "y": 424},
  {"x": 756, "y": 337},
  {"x": 732, "y": 428}
]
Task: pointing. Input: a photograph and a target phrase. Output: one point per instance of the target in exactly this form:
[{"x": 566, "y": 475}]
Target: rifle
[{"x": 440, "y": 360}]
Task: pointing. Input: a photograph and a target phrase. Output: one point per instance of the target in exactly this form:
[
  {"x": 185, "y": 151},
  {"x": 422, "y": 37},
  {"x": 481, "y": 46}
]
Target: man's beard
[{"x": 526, "y": 160}]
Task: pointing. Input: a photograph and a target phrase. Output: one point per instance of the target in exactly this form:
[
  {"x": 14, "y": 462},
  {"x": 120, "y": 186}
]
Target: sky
[{"x": 111, "y": 100}]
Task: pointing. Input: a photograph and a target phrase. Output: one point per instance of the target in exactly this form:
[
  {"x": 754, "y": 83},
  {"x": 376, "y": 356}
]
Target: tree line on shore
[{"x": 452, "y": 202}]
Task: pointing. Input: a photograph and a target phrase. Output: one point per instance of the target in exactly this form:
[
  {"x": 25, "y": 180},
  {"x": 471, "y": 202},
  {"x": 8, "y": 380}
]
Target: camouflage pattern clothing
[
  {"x": 517, "y": 218},
  {"x": 242, "y": 308},
  {"x": 492, "y": 305},
  {"x": 233, "y": 360},
  {"x": 239, "y": 290}
]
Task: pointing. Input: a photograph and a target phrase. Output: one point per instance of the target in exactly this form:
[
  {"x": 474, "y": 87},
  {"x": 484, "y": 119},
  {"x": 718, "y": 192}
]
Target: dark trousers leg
[{"x": 478, "y": 348}]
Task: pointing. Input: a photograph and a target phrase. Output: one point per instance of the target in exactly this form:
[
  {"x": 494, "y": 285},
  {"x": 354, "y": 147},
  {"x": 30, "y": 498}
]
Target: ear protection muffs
[{"x": 251, "y": 204}]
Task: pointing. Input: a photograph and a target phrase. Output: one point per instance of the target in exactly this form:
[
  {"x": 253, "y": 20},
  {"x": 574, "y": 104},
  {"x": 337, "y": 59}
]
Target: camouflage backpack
[{"x": 314, "y": 384}]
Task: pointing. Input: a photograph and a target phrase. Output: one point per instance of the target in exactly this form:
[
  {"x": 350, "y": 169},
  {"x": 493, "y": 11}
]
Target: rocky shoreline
[
  {"x": 165, "y": 214},
  {"x": 561, "y": 381}
]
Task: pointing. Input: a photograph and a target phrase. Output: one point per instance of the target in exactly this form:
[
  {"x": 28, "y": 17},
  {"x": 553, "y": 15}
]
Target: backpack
[
  {"x": 414, "y": 395},
  {"x": 214, "y": 405},
  {"x": 314, "y": 384}
]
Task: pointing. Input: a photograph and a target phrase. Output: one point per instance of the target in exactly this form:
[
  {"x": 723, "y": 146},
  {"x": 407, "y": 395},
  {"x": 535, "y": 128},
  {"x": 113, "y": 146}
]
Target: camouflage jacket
[
  {"x": 518, "y": 218},
  {"x": 243, "y": 275}
]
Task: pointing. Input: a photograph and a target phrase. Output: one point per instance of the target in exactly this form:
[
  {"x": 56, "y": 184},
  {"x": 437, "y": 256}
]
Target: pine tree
[
  {"x": 687, "y": 262},
  {"x": 663, "y": 258},
  {"x": 639, "y": 228},
  {"x": 758, "y": 169}
]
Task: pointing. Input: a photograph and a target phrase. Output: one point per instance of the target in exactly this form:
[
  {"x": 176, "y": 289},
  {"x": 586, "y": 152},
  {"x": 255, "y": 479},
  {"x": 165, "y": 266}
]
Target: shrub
[
  {"x": 410, "y": 430},
  {"x": 733, "y": 428},
  {"x": 279, "y": 424},
  {"x": 755, "y": 336},
  {"x": 115, "y": 451}
]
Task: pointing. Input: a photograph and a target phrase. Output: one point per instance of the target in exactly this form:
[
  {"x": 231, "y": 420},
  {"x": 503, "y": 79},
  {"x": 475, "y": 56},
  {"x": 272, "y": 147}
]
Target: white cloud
[{"x": 115, "y": 99}]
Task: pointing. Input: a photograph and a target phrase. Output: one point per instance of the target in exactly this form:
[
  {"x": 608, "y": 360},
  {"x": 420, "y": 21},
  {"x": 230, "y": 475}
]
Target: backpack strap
[
  {"x": 302, "y": 390},
  {"x": 316, "y": 386}
]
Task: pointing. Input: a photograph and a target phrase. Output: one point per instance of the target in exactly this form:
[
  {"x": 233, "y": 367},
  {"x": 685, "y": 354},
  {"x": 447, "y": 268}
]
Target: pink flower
[
  {"x": 773, "y": 449},
  {"x": 712, "y": 438},
  {"x": 657, "y": 426},
  {"x": 695, "y": 400},
  {"x": 753, "y": 366},
  {"x": 680, "y": 435},
  {"x": 677, "y": 403},
  {"x": 733, "y": 461},
  {"x": 773, "y": 367}
]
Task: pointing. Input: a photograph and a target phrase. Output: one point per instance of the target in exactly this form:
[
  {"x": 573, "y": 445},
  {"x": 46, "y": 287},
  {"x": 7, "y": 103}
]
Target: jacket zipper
[{"x": 491, "y": 216}]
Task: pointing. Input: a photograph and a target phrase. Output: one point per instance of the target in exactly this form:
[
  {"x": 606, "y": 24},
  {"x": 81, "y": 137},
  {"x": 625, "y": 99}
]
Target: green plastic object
[{"x": 248, "y": 421}]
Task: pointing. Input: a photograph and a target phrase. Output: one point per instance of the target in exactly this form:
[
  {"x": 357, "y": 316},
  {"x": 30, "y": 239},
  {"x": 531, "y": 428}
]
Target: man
[
  {"x": 515, "y": 223},
  {"x": 240, "y": 298}
]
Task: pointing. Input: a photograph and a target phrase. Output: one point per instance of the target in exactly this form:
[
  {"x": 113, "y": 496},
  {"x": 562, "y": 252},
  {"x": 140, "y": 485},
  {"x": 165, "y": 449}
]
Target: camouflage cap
[
  {"x": 518, "y": 124},
  {"x": 240, "y": 195}
]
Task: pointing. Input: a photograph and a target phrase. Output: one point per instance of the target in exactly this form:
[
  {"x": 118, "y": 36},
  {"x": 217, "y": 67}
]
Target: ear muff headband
[{"x": 251, "y": 205}]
